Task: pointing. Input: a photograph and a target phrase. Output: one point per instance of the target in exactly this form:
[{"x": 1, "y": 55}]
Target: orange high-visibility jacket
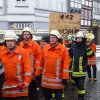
[
  {"x": 34, "y": 51},
  {"x": 17, "y": 70},
  {"x": 54, "y": 66},
  {"x": 92, "y": 61}
]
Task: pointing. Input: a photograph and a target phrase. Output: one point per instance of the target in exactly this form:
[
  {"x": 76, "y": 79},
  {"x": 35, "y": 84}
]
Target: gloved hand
[
  {"x": 38, "y": 78},
  {"x": 64, "y": 82},
  {"x": 22, "y": 86}
]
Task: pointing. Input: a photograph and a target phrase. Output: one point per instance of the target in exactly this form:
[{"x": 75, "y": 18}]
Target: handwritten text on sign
[{"x": 65, "y": 23}]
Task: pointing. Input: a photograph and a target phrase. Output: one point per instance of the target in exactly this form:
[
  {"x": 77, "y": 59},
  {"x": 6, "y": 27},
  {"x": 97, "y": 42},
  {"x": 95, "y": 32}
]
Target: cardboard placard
[{"x": 65, "y": 23}]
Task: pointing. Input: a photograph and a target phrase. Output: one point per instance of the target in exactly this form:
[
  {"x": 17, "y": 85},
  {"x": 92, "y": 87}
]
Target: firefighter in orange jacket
[
  {"x": 17, "y": 69},
  {"x": 92, "y": 62},
  {"x": 54, "y": 67},
  {"x": 34, "y": 51}
]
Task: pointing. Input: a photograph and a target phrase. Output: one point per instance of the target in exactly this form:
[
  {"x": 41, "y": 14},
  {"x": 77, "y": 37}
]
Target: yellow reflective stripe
[
  {"x": 27, "y": 74},
  {"x": 53, "y": 95},
  {"x": 2, "y": 70},
  {"x": 89, "y": 53},
  {"x": 57, "y": 68},
  {"x": 78, "y": 74},
  {"x": 14, "y": 92},
  {"x": 51, "y": 79},
  {"x": 70, "y": 71},
  {"x": 37, "y": 89},
  {"x": 63, "y": 95},
  {"x": 88, "y": 49},
  {"x": 39, "y": 68},
  {"x": 72, "y": 81},
  {"x": 81, "y": 92},
  {"x": 18, "y": 73},
  {"x": 48, "y": 84},
  {"x": 80, "y": 64},
  {"x": 32, "y": 62}
]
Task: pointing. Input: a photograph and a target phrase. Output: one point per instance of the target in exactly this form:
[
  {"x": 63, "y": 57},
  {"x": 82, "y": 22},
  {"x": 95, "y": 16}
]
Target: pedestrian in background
[
  {"x": 44, "y": 41},
  {"x": 69, "y": 40},
  {"x": 34, "y": 51},
  {"x": 17, "y": 69},
  {"x": 54, "y": 67},
  {"x": 91, "y": 61}
]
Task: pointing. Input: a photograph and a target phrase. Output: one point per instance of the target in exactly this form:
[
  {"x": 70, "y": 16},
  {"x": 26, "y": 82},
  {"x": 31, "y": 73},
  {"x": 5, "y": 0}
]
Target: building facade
[
  {"x": 17, "y": 14},
  {"x": 83, "y": 7},
  {"x": 96, "y": 20}
]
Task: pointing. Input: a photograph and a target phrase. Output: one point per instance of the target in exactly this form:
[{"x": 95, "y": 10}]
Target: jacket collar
[
  {"x": 29, "y": 44},
  {"x": 57, "y": 47},
  {"x": 17, "y": 49}
]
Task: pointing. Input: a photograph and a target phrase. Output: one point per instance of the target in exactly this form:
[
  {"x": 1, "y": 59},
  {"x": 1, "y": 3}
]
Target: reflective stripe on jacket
[
  {"x": 54, "y": 65},
  {"x": 17, "y": 70}
]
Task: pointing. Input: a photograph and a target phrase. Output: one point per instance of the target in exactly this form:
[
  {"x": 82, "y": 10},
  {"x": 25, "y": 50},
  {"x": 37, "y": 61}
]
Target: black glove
[
  {"x": 38, "y": 79},
  {"x": 64, "y": 82}
]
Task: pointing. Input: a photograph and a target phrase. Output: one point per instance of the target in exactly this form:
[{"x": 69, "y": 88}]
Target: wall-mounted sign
[
  {"x": 22, "y": 25},
  {"x": 94, "y": 23},
  {"x": 65, "y": 23}
]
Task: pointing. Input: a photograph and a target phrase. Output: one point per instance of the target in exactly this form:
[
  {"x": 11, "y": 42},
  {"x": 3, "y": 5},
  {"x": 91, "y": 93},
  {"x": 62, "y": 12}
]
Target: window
[
  {"x": 86, "y": 3},
  {"x": 21, "y": 3},
  {"x": 82, "y": 14},
  {"x": 1, "y": 3},
  {"x": 90, "y": 4},
  {"x": 89, "y": 23},
  {"x": 76, "y": 5},
  {"x": 79, "y": 5},
  {"x": 83, "y": 2},
  {"x": 71, "y": 10},
  {"x": 86, "y": 22},
  {"x": 82, "y": 22},
  {"x": 72, "y": 4}
]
